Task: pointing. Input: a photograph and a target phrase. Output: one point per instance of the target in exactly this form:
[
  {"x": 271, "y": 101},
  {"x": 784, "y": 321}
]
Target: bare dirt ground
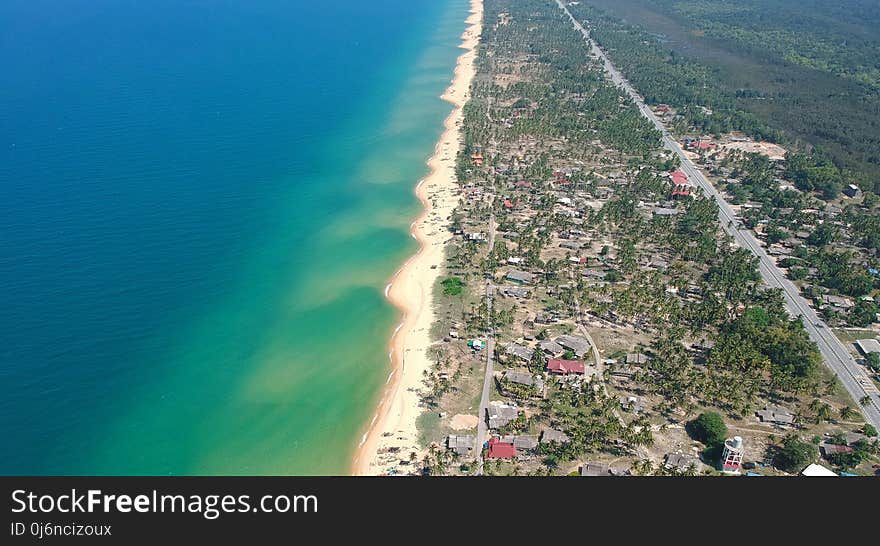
[
  {"x": 773, "y": 151},
  {"x": 463, "y": 422}
]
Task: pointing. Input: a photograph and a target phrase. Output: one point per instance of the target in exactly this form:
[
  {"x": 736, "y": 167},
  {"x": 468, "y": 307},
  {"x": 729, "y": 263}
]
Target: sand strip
[{"x": 394, "y": 424}]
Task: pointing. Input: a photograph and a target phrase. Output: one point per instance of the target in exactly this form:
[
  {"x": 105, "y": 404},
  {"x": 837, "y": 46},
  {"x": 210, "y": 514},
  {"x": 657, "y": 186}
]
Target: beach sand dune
[{"x": 393, "y": 435}]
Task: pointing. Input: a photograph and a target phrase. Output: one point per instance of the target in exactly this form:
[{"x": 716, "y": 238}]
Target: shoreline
[{"x": 410, "y": 289}]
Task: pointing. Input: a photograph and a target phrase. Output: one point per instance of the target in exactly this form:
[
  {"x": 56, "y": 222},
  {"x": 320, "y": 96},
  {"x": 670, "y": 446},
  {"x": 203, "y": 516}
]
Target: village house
[
  {"x": 867, "y": 346},
  {"x": 500, "y": 450},
  {"x": 517, "y": 350},
  {"x": 554, "y": 436},
  {"x": 542, "y": 318},
  {"x": 776, "y": 415},
  {"x": 519, "y": 277},
  {"x": 595, "y": 469},
  {"x": 518, "y": 292},
  {"x": 521, "y": 442},
  {"x": 579, "y": 345},
  {"x": 463, "y": 445},
  {"x": 680, "y": 462},
  {"x": 632, "y": 404},
  {"x": 636, "y": 359},
  {"x": 524, "y": 378},
  {"x": 663, "y": 211},
  {"x": 828, "y": 449},
  {"x": 564, "y": 367},
  {"x": 595, "y": 275},
  {"x": 852, "y": 191},
  {"x": 499, "y": 414},
  {"x": 837, "y": 301},
  {"x": 551, "y": 347}
]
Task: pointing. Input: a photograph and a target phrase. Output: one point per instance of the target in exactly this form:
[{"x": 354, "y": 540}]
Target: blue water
[{"x": 200, "y": 203}]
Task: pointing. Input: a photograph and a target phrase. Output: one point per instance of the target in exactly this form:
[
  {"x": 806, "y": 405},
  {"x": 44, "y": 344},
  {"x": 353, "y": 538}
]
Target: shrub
[
  {"x": 708, "y": 428},
  {"x": 794, "y": 454}
]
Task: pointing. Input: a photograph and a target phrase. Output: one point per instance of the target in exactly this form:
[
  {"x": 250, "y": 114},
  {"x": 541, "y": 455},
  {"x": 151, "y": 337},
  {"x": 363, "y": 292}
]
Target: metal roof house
[
  {"x": 514, "y": 349},
  {"x": 519, "y": 277},
  {"x": 556, "y": 436},
  {"x": 579, "y": 345},
  {"x": 595, "y": 469},
  {"x": 499, "y": 415},
  {"x": 463, "y": 445},
  {"x": 868, "y": 346}
]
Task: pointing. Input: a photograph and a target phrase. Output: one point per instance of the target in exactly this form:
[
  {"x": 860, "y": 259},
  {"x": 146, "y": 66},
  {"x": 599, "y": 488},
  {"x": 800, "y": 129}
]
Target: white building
[{"x": 817, "y": 470}]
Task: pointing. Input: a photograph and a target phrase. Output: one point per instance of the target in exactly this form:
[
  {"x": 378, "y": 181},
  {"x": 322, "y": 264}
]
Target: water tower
[{"x": 732, "y": 458}]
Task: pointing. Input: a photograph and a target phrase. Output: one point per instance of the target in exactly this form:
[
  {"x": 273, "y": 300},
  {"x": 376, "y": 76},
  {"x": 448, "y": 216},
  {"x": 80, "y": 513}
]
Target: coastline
[{"x": 410, "y": 289}]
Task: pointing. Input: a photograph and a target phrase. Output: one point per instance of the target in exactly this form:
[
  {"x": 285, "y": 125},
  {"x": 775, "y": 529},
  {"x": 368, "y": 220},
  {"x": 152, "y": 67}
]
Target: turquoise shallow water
[{"x": 202, "y": 203}]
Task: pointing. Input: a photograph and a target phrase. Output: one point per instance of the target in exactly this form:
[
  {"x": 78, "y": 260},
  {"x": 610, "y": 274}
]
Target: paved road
[
  {"x": 488, "y": 377},
  {"x": 835, "y": 354}
]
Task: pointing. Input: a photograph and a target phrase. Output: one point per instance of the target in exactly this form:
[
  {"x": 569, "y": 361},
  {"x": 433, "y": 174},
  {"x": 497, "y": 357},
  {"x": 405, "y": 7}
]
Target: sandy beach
[{"x": 394, "y": 423}]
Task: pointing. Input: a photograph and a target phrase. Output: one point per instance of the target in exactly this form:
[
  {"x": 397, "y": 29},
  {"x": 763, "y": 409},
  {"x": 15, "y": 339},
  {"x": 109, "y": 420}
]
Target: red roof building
[
  {"x": 678, "y": 177},
  {"x": 508, "y": 204},
  {"x": 564, "y": 367},
  {"x": 699, "y": 144},
  {"x": 830, "y": 449},
  {"x": 500, "y": 450},
  {"x": 681, "y": 187}
]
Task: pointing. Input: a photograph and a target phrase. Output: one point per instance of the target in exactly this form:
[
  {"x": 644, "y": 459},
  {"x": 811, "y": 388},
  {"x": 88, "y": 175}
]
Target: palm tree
[
  {"x": 846, "y": 413},
  {"x": 865, "y": 400},
  {"x": 823, "y": 413}
]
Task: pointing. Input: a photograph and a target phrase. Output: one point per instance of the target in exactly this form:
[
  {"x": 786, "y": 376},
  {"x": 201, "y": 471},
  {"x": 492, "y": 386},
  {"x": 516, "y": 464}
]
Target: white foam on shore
[{"x": 392, "y": 389}]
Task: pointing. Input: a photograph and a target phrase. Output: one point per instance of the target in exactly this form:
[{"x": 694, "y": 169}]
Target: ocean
[{"x": 201, "y": 202}]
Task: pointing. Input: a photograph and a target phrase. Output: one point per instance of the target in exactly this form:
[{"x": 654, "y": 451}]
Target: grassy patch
[
  {"x": 452, "y": 286},
  {"x": 850, "y": 336}
]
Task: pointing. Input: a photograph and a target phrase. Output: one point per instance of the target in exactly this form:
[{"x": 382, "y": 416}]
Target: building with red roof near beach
[
  {"x": 564, "y": 367},
  {"x": 500, "y": 450}
]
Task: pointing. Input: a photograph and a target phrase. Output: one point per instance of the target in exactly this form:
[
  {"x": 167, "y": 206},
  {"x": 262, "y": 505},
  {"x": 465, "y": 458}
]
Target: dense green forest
[{"x": 804, "y": 73}]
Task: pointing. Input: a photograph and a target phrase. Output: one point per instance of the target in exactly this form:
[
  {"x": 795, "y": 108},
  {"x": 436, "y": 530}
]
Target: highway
[{"x": 835, "y": 354}]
